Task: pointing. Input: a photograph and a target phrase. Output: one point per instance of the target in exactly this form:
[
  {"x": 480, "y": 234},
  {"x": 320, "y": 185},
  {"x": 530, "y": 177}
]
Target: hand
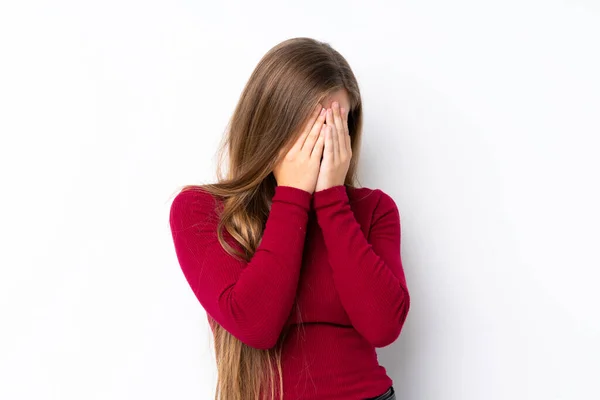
[
  {"x": 338, "y": 150},
  {"x": 300, "y": 166}
]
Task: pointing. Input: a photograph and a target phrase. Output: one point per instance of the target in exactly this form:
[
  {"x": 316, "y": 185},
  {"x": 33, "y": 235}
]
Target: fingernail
[
  {"x": 343, "y": 110},
  {"x": 323, "y": 111}
]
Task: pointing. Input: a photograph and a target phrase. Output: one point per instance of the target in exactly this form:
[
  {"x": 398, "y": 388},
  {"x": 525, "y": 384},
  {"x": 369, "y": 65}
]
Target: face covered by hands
[{"x": 338, "y": 150}]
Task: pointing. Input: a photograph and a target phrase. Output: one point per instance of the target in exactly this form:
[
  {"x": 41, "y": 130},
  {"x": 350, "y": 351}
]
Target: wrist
[
  {"x": 293, "y": 195},
  {"x": 324, "y": 186},
  {"x": 330, "y": 196}
]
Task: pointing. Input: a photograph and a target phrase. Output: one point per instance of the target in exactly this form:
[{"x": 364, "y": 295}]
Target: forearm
[{"x": 372, "y": 288}]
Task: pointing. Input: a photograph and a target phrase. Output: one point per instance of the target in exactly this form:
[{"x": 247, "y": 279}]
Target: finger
[
  {"x": 312, "y": 137},
  {"x": 328, "y": 150},
  {"x": 313, "y": 117},
  {"x": 331, "y": 125},
  {"x": 318, "y": 149},
  {"x": 339, "y": 127},
  {"x": 348, "y": 140}
]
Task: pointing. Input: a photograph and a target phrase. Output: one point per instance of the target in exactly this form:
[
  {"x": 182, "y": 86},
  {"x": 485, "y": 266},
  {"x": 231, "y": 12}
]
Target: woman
[{"x": 297, "y": 268}]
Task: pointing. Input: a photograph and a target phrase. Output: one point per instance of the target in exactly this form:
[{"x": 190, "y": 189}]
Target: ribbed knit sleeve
[
  {"x": 252, "y": 300},
  {"x": 367, "y": 272}
]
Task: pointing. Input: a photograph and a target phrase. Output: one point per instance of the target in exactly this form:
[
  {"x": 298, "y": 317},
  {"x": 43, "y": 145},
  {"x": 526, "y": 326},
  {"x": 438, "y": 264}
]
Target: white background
[{"x": 481, "y": 120}]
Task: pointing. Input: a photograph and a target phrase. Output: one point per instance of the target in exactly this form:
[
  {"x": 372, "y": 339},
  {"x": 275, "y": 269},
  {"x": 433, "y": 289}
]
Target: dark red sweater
[{"x": 335, "y": 255}]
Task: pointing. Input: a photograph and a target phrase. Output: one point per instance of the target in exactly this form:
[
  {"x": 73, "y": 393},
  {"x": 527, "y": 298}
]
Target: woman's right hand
[{"x": 299, "y": 168}]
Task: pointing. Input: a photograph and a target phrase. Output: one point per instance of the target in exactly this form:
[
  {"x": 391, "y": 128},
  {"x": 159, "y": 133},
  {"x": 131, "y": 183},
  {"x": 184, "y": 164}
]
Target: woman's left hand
[{"x": 338, "y": 149}]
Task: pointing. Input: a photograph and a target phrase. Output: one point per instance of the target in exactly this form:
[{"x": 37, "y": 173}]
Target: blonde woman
[{"x": 297, "y": 268}]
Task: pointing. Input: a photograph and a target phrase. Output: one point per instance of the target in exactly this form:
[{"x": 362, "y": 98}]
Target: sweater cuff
[
  {"x": 330, "y": 196},
  {"x": 292, "y": 195}
]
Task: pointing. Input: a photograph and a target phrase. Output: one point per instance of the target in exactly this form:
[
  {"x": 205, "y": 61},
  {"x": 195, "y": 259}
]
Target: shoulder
[
  {"x": 190, "y": 204},
  {"x": 374, "y": 202},
  {"x": 370, "y": 197}
]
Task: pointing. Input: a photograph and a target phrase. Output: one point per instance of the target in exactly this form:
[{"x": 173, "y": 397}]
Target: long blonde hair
[{"x": 273, "y": 108}]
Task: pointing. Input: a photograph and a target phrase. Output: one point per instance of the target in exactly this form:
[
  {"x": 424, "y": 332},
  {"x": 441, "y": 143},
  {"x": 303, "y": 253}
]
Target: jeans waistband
[{"x": 388, "y": 395}]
